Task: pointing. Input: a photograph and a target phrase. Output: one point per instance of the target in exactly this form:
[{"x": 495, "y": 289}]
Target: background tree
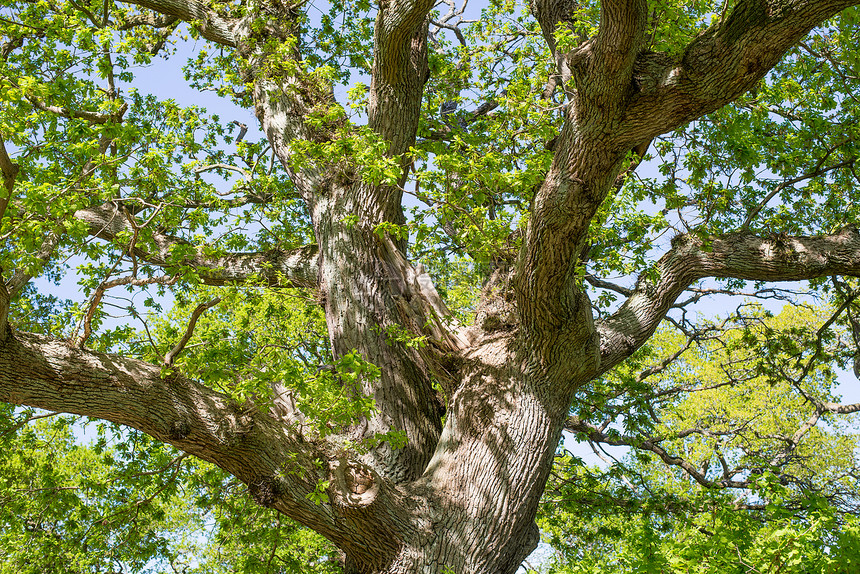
[
  {"x": 727, "y": 469},
  {"x": 310, "y": 353}
]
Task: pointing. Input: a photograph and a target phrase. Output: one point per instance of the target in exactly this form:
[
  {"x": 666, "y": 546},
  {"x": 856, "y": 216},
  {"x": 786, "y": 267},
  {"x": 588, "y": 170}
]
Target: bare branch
[
  {"x": 609, "y": 286},
  {"x": 189, "y": 331},
  {"x": 213, "y": 166}
]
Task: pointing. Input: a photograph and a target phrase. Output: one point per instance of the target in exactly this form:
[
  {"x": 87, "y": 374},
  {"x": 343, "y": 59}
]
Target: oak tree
[{"x": 400, "y": 385}]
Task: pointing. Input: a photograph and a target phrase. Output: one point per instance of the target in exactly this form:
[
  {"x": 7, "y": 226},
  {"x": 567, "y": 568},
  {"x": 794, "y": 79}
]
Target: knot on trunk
[
  {"x": 354, "y": 485},
  {"x": 179, "y": 430},
  {"x": 265, "y": 490}
]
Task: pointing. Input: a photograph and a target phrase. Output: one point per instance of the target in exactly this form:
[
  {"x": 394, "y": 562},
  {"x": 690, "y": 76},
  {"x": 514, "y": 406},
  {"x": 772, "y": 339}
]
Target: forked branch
[{"x": 720, "y": 64}]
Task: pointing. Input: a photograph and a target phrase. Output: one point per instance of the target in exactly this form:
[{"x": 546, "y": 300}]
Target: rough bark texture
[{"x": 464, "y": 496}]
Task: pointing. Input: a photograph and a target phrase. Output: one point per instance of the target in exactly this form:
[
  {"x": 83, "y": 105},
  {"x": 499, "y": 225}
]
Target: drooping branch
[
  {"x": 293, "y": 267},
  {"x": 720, "y": 64},
  {"x": 739, "y": 256}
]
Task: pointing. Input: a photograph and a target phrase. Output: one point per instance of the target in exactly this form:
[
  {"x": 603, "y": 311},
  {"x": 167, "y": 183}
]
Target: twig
[{"x": 189, "y": 331}]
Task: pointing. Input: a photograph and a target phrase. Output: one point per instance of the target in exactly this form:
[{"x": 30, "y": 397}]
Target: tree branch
[
  {"x": 9, "y": 169},
  {"x": 99, "y": 293},
  {"x": 720, "y": 64},
  {"x": 593, "y": 433},
  {"x": 92, "y": 117},
  {"x": 294, "y": 267},
  {"x": 212, "y": 26},
  {"x": 280, "y": 468},
  {"x": 398, "y": 20},
  {"x": 189, "y": 331},
  {"x": 147, "y": 19},
  {"x": 739, "y": 256},
  {"x": 618, "y": 40}
]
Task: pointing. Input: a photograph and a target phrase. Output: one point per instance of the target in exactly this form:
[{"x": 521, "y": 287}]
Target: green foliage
[
  {"x": 122, "y": 501},
  {"x": 727, "y": 407}
]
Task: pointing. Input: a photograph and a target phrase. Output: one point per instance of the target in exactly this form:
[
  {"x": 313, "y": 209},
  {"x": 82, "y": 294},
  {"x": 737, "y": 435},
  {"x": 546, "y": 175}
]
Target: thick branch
[
  {"x": 280, "y": 468},
  {"x": 722, "y": 63},
  {"x": 739, "y": 256},
  {"x": 212, "y": 26},
  {"x": 9, "y": 169},
  {"x": 294, "y": 267},
  {"x": 398, "y": 21},
  {"x": 551, "y": 13},
  {"x": 618, "y": 40},
  {"x": 148, "y": 19}
]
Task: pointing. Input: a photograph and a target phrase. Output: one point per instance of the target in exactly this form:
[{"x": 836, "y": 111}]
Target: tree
[
  {"x": 722, "y": 413},
  {"x": 412, "y": 441}
]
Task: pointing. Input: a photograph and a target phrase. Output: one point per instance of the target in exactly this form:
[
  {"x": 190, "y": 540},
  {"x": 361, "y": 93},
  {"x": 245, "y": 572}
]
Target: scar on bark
[
  {"x": 354, "y": 485},
  {"x": 179, "y": 430}
]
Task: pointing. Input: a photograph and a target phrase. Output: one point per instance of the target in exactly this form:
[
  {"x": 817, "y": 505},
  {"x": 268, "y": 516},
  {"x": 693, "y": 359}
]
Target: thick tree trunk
[
  {"x": 371, "y": 298},
  {"x": 473, "y": 508}
]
